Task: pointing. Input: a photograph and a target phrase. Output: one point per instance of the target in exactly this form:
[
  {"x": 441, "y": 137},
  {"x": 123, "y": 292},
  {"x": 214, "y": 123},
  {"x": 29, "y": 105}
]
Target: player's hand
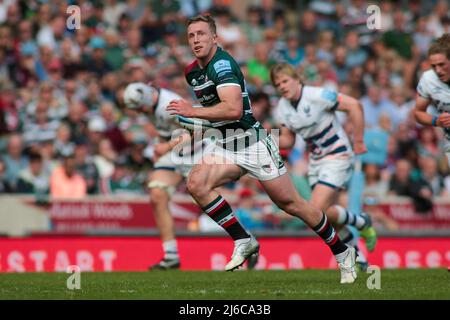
[
  {"x": 359, "y": 147},
  {"x": 182, "y": 108},
  {"x": 444, "y": 120},
  {"x": 160, "y": 149}
]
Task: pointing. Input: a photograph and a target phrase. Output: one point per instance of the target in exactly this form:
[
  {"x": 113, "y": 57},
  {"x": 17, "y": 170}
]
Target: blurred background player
[
  {"x": 219, "y": 85},
  {"x": 168, "y": 172},
  {"x": 310, "y": 112},
  {"x": 434, "y": 88}
]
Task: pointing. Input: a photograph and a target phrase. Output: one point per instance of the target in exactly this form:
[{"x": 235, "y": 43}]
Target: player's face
[
  {"x": 201, "y": 39},
  {"x": 287, "y": 86},
  {"x": 441, "y": 65}
]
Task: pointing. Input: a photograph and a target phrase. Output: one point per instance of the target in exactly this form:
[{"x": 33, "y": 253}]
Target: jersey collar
[{"x": 295, "y": 103}]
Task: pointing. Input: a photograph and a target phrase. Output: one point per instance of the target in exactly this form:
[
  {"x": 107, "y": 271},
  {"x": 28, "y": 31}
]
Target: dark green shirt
[{"x": 222, "y": 70}]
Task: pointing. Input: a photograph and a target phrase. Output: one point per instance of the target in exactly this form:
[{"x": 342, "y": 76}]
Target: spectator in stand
[
  {"x": 398, "y": 38},
  {"x": 374, "y": 105},
  {"x": 340, "y": 63},
  {"x": 259, "y": 66},
  {"x": 375, "y": 190},
  {"x": 122, "y": 181},
  {"x": 14, "y": 160},
  {"x": 308, "y": 30},
  {"x": 293, "y": 54},
  {"x": 430, "y": 173},
  {"x": 109, "y": 114},
  {"x": 402, "y": 184},
  {"x": 96, "y": 61},
  {"x": 76, "y": 120},
  {"x": 105, "y": 158},
  {"x": 325, "y": 46},
  {"x": 252, "y": 28},
  {"x": 65, "y": 182},
  {"x": 85, "y": 165},
  {"x": 422, "y": 37},
  {"x": 4, "y": 185},
  {"x": 35, "y": 179},
  {"x": 62, "y": 143},
  {"x": 41, "y": 128},
  {"x": 434, "y": 24},
  {"x": 356, "y": 56}
]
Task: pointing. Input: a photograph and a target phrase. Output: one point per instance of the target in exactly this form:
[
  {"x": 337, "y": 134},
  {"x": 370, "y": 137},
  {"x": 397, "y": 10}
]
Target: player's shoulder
[
  {"x": 318, "y": 93},
  {"x": 191, "y": 66},
  {"x": 429, "y": 76},
  {"x": 222, "y": 61}
]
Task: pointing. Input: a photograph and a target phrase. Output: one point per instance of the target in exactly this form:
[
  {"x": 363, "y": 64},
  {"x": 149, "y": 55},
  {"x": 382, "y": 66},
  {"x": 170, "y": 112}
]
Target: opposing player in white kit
[
  {"x": 310, "y": 112},
  {"x": 434, "y": 88},
  {"x": 169, "y": 169}
]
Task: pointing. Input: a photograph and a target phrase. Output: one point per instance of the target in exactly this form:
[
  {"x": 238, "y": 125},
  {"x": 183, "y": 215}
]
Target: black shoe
[{"x": 166, "y": 264}]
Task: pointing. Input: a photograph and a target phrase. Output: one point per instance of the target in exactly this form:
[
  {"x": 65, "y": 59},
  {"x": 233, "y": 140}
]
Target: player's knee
[
  {"x": 197, "y": 186},
  {"x": 287, "y": 205},
  {"x": 158, "y": 196}
]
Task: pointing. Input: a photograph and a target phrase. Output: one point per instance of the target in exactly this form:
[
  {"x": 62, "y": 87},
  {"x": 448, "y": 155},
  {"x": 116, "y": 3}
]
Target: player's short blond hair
[
  {"x": 286, "y": 69},
  {"x": 441, "y": 46},
  {"x": 204, "y": 18}
]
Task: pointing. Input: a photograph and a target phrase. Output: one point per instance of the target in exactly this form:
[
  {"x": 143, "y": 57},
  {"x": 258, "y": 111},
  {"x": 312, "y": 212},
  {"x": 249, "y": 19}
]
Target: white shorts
[
  {"x": 183, "y": 164},
  {"x": 333, "y": 173},
  {"x": 261, "y": 160}
]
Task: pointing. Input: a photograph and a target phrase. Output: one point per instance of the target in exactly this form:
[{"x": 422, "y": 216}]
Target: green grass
[{"x": 306, "y": 284}]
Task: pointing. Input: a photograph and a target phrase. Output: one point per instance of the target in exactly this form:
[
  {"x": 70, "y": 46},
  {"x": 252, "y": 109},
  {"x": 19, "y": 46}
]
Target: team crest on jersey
[
  {"x": 222, "y": 66},
  {"x": 307, "y": 110}
]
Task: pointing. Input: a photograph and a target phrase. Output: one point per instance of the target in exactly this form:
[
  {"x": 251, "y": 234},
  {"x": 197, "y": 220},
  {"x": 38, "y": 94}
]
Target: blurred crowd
[{"x": 64, "y": 130}]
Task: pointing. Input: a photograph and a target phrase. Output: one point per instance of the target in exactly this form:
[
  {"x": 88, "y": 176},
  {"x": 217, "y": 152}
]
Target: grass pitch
[{"x": 240, "y": 285}]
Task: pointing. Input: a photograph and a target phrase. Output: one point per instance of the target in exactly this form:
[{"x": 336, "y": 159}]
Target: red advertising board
[
  {"x": 404, "y": 214},
  {"x": 81, "y": 216},
  {"x": 70, "y": 216},
  {"x": 204, "y": 253}
]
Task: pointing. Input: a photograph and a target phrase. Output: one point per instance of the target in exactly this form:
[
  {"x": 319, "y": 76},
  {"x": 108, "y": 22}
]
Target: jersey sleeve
[
  {"x": 327, "y": 99},
  {"x": 423, "y": 88},
  {"x": 224, "y": 72}
]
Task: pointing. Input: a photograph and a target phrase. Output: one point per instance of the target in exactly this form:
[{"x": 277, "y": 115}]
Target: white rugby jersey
[
  {"x": 313, "y": 118},
  {"x": 163, "y": 121},
  {"x": 432, "y": 88}
]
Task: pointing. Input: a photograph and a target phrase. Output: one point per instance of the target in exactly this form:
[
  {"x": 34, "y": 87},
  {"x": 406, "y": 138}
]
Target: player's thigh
[
  {"x": 323, "y": 196},
  {"x": 169, "y": 177},
  {"x": 213, "y": 172}
]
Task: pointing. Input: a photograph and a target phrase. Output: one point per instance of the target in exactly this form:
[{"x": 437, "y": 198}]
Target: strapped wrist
[{"x": 434, "y": 121}]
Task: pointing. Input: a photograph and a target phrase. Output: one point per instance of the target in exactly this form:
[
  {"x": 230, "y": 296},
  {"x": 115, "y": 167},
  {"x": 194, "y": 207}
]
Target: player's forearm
[
  {"x": 220, "y": 111},
  {"x": 424, "y": 118},
  {"x": 181, "y": 139},
  {"x": 356, "y": 115}
]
